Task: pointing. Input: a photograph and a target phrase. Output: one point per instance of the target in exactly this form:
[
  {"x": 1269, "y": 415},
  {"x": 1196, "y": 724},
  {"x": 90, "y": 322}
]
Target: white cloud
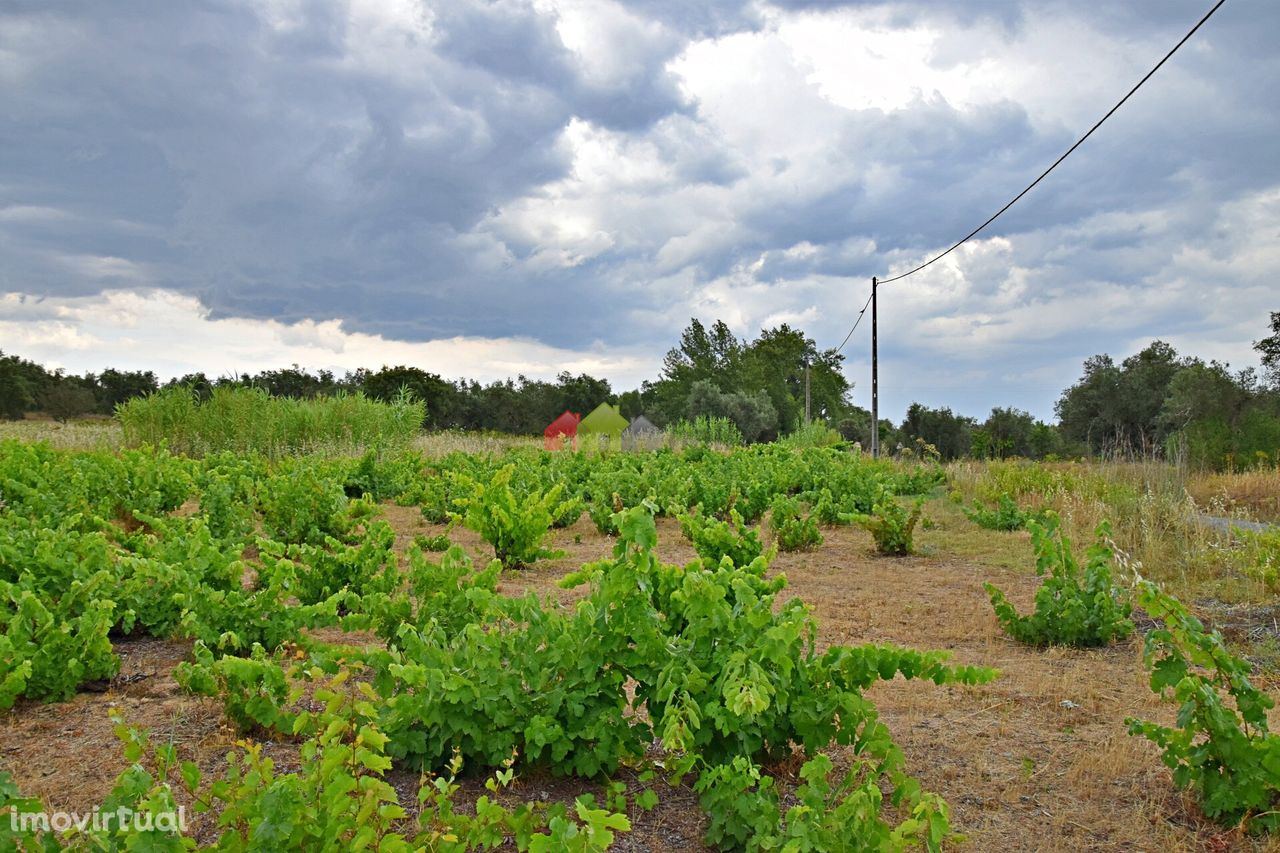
[{"x": 173, "y": 335}]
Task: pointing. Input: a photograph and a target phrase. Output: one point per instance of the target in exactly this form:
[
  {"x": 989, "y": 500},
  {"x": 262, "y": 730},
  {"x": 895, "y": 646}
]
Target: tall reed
[{"x": 250, "y": 419}]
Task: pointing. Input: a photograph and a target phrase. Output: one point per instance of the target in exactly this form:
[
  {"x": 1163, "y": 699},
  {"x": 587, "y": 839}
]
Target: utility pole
[
  {"x": 875, "y": 378},
  {"x": 806, "y": 390}
]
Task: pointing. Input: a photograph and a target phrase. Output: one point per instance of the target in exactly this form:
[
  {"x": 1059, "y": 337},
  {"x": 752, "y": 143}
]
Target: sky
[{"x": 486, "y": 188}]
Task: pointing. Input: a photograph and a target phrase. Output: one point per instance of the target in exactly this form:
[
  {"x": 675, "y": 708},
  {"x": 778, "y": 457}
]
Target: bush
[
  {"x": 65, "y": 401},
  {"x": 1073, "y": 608},
  {"x": 745, "y": 813},
  {"x": 816, "y": 434},
  {"x": 303, "y": 503},
  {"x": 891, "y": 525},
  {"x": 1007, "y": 515},
  {"x": 1259, "y": 555},
  {"x": 1226, "y": 755},
  {"x": 321, "y": 571},
  {"x": 437, "y": 543},
  {"x": 515, "y": 526},
  {"x": 793, "y": 530},
  {"x": 714, "y": 540}
]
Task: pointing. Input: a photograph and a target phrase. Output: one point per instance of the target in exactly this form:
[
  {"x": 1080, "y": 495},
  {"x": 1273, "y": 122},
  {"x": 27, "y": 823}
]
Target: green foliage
[
  {"x": 705, "y": 430},
  {"x": 816, "y": 434},
  {"x": 431, "y": 495},
  {"x": 1223, "y": 751},
  {"x": 438, "y": 542},
  {"x": 1259, "y": 554},
  {"x": 890, "y": 525},
  {"x": 915, "y": 479},
  {"x": 149, "y": 482},
  {"x": 1074, "y": 607},
  {"x": 228, "y": 486},
  {"x": 1006, "y": 515},
  {"x": 704, "y": 657},
  {"x": 568, "y": 513},
  {"x": 317, "y": 573},
  {"x": 383, "y": 476},
  {"x": 515, "y": 525},
  {"x": 716, "y": 540},
  {"x": 236, "y": 619},
  {"x": 254, "y": 690},
  {"x": 251, "y": 420},
  {"x": 303, "y": 502},
  {"x": 338, "y": 799},
  {"x": 449, "y": 594},
  {"x": 53, "y": 647},
  {"x": 792, "y": 529},
  {"x": 744, "y": 809}
]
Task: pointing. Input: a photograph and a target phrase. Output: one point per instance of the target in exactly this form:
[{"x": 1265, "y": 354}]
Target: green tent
[{"x": 602, "y": 428}]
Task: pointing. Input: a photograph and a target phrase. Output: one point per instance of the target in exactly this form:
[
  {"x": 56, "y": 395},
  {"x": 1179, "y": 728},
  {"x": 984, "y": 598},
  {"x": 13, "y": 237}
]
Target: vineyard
[{"x": 769, "y": 648}]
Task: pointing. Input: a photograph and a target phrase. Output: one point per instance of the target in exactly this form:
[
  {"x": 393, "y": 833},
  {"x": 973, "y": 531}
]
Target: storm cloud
[{"x": 582, "y": 176}]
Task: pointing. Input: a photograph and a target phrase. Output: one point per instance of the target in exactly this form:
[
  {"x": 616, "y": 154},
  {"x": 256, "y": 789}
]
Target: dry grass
[
  {"x": 437, "y": 444},
  {"x": 105, "y": 434},
  {"x": 88, "y": 434},
  {"x": 1254, "y": 493},
  {"x": 1153, "y": 512}
]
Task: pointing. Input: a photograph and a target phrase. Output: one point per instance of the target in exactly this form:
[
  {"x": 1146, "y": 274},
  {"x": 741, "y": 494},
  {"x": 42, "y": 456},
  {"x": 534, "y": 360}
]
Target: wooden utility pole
[
  {"x": 806, "y": 390},
  {"x": 875, "y": 378}
]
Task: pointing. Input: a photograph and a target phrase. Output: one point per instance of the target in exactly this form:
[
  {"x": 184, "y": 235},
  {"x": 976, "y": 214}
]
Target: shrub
[
  {"x": 815, "y": 434},
  {"x": 49, "y": 648},
  {"x": 318, "y": 572},
  {"x": 1226, "y": 754},
  {"x": 383, "y": 476},
  {"x": 1007, "y": 515},
  {"x": 793, "y": 530},
  {"x": 437, "y": 543},
  {"x": 891, "y": 525},
  {"x": 1073, "y": 607},
  {"x": 744, "y": 810},
  {"x": 65, "y": 401},
  {"x": 302, "y": 503},
  {"x": 1259, "y": 555},
  {"x": 337, "y": 798},
  {"x": 714, "y": 540},
  {"x": 515, "y": 526},
  {"x": 228, "y": 493}
]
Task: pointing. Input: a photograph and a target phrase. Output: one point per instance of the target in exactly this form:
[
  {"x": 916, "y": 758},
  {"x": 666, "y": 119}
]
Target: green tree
[
  {"x": 117, "y": 386},
  {"x": 752, "y": 414},
  {"x": 1119, "y": 408},
  {"x": 66, "y": 400},
  {"x": 20, "y": 382},
  {"x": 1009, "y": 432},
  {"x": 580, "y": 394},
  {"x": 1269, "y": 349},
  {"x": 439, "y": 395},
  {"x": 950, "y": 433}
]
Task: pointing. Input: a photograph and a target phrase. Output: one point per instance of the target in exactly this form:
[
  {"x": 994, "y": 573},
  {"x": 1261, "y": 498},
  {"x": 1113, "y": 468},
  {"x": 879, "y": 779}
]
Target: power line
[
  {"x": 1064, "y": 156},
  {"x": 855, "y": 325}
]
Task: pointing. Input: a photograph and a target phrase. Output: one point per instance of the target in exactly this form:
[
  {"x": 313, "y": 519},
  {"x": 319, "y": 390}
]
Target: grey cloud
[{"x": 276, "y": 173}]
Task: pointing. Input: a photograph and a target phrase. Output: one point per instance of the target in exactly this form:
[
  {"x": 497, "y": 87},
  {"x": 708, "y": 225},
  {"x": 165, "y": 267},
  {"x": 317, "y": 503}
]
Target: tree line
[
  {"x": 759, "y": 385},
  {"x": 1153, "y": 403}
]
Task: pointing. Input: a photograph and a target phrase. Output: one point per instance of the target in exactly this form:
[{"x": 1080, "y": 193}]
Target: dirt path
[{"x": 1226, "y": 524}]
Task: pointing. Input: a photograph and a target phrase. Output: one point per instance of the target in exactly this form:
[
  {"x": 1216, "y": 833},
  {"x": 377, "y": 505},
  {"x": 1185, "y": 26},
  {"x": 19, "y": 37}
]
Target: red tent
[{"x": 565, "y": 426}]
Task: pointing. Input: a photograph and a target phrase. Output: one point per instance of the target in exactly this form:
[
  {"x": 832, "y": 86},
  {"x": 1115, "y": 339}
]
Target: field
[{"x": 380, "y": 656}]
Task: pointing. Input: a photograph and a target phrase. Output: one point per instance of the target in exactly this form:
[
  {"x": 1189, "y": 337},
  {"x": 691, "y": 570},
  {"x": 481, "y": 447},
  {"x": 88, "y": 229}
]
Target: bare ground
[{"x": 1037, "y": 760}]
